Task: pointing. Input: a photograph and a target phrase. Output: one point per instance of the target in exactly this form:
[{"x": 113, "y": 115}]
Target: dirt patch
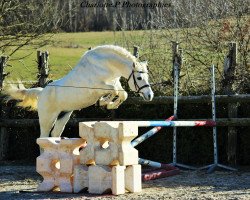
[{"x": 16, "y": 181}]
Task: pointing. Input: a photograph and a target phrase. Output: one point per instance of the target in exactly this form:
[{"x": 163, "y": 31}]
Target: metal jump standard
[
  {"x": 212, "y": 167},
  {"x": 172, "y": 167}
]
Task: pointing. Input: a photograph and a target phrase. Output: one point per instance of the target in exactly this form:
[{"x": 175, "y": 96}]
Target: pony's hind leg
[
  {"x": 62, "y": 119},
  {"x": 46, "y": 122}
]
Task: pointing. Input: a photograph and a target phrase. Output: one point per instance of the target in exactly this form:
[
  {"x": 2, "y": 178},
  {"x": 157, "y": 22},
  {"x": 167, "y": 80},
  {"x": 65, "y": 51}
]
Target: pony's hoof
[
  {"x": 102, "y": 103},
  {"x": 111, "y": 107}
]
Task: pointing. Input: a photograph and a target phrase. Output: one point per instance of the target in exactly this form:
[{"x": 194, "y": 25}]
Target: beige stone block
[
  {"x": 81, "y": 178},
  {"x": 42, "y": 166},
  {"x": 48, "y": 143},
  {"x": 118, "y": 180},
  {"x": 118, "y": 136},
  {"x": 106, "y": 132},
  {"x": 100, "y": 179},
  {"x": 57, "y": 161},
  {"x": 128, "y": 155},
  {"x": 65, "y": 184},
  {"x": 47, "y": 185},
  {"x": 133, "y": 178},
  {"x": 86, "y": 132},
  {"x": 66, "y": 165},
  {"x": 46, "y": 163}
]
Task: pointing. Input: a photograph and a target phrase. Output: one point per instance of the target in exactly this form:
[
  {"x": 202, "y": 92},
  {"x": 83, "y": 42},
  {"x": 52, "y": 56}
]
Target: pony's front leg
[
  {"x": 105, "y": 100},
  {"x": 122, "y": 96}
]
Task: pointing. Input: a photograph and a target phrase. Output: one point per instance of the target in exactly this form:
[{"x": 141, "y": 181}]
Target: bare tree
[{"x": 24, "y": 23}]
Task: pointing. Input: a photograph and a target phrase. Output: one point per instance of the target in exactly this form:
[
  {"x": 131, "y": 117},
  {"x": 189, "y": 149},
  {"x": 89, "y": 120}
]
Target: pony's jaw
[{"x": 147, "y": 95}]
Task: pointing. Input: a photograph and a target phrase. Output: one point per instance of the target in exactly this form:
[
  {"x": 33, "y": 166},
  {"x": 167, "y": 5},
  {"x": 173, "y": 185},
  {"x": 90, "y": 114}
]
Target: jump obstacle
[
  {"x": 169, "y": 123},
  {"x": 107, "y": 160},
  {"x": 160, "y": 170}
]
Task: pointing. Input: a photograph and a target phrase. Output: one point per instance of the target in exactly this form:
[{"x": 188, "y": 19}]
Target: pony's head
[{"x": 138, "y": 80}]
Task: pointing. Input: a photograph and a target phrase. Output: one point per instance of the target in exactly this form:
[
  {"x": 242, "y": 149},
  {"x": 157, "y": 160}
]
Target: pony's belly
[
  {"x": 66, "y": 99},
  {"x": 78, "y": 100}
]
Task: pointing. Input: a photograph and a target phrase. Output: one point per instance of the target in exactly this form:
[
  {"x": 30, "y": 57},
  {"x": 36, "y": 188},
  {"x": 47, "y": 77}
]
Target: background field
[{"x": 66, "y": 49}]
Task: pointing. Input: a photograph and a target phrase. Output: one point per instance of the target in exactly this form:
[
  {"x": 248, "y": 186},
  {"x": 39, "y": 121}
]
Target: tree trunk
[
  {"x": 228, "y": 82},
  {"x": 4, "y": 136}
]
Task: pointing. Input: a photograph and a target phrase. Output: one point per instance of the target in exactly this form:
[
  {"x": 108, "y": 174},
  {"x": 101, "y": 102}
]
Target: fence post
[
  {"x": 4, "y": 136},
  {"x": 176, "y": 57},
  {"x": 229, "y": 78},
  {"x": 136, "y": 51},
  {"x": 43, "y": 68},
  {"x": 176, "y": 60}
]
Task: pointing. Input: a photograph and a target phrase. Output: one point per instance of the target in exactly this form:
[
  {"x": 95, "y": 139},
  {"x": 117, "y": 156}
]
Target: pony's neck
[
  {"x": 114, "y": 62},
  {"x": 120, "y": 65}
]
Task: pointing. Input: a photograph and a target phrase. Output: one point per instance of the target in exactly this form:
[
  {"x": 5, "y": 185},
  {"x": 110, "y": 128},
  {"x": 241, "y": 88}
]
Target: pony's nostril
[{"x": 149, "y": 96}]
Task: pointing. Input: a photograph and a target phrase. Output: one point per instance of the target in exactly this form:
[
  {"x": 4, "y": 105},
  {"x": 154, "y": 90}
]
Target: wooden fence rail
[
  {"x": 23, "y": 123},
  {"x": 241, "y": 98}
]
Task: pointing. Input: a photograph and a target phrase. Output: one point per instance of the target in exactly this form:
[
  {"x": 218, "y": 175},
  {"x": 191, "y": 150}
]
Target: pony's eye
[{"x": 139, "y": 78}]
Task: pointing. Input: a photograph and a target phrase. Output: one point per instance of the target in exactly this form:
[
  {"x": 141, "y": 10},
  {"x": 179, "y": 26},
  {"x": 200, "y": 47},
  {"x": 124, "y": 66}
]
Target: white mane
[
  {"x": 121, "y": 52},
  {"x": 117, "y": 50}
]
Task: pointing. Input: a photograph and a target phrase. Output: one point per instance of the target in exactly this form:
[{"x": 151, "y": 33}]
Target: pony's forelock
[{"x": 117, "y": 50}]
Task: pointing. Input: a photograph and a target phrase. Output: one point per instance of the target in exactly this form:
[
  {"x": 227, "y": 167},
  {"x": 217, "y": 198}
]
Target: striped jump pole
[
  {"x": 210, "y": 123},
  {"x": 216, "y": 164},
  {"x": 156, "y": 164},
  {"x": 158, "y": 173},
  {"x": 149, "y": 134},
  {"x": 164, "y": 170},
  {"x": 159, "y": 125}
]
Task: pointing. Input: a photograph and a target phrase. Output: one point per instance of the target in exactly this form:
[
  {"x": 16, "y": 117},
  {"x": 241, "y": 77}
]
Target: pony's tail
[{"x": 27, "y": 97}]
